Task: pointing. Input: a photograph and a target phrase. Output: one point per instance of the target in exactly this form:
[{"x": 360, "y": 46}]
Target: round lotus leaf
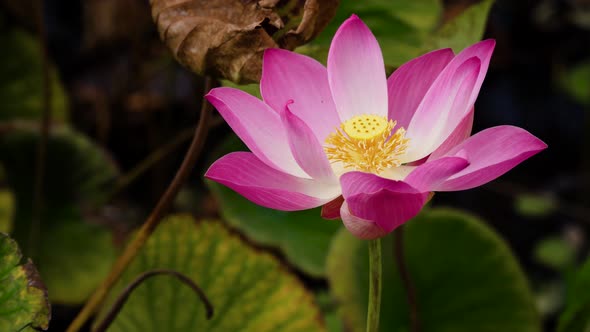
[
  {"x": 465, "y": 277},
  {"x": 72, "y": 254},
  {"x": 249, "y": 289}
]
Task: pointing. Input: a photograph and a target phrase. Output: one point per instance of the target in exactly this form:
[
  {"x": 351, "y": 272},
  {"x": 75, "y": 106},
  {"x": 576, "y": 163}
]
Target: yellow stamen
[{"x": 367, "y": 143}]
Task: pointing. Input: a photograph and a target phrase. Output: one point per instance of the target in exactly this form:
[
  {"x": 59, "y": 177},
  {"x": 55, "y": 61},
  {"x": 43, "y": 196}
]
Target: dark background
[{"x": 128, "y": 93}]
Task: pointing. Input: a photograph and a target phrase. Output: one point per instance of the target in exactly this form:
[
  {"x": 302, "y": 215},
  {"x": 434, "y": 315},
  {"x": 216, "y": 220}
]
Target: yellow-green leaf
[
  {"x": 6, "y": 210},
  {"x": 249, "y": 289},
  {"x": 23, "y": 298}
]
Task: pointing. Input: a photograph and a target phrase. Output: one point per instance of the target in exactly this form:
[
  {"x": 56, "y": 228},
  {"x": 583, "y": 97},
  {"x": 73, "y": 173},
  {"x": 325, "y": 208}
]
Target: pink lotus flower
[{"x": 367, "y": 148}]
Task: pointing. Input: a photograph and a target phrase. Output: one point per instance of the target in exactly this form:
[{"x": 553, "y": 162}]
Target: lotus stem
[{"x": 375, "y": 276}]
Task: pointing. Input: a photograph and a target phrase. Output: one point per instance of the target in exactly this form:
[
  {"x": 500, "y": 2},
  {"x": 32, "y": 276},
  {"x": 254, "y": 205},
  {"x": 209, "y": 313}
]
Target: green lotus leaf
[
  {"x": 72, "y": 254},
  {"x": 461, "y": 31},
  {"x": 23, "y": 298},
  {"x": 249, "y": 289},
  {"x": 465, "y": 276},
  {"x": 576, "y": 316},
  {"x": 21, "y": 83}
]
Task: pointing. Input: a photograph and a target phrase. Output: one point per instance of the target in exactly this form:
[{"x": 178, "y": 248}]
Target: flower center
[{"x": 367, "y": 143}]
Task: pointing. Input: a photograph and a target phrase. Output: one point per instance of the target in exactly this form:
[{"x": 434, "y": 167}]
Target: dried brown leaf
[{"x": 226, "y": 38}]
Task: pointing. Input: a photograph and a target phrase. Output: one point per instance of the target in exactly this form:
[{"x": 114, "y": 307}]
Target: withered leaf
[{"x": 226, "y": 38}]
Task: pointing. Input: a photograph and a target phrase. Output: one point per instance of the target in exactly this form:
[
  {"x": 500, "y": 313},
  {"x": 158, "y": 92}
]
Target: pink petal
[
  {"x": 461, "y": 133},
  {"x": 331, "y": 210},
  {"x": 356, "y": 71},
  {"x": 429, "y": 175},
  {"x": 306, "y": 149},
  {"x": 437, "y": 116},
  {"x": 258, "y": 126},
  {"x": 491, "y": 153},
  {"x": 483, "y": 51},
  {"x": 247, "y": 175},
  {"x": 388, "y": 203},
  {"x": 359, "y": 227},
  {"x": 410, "y": 82},
  {"x": 443, "y": 108},
  {"x": 291, "y": 76}
]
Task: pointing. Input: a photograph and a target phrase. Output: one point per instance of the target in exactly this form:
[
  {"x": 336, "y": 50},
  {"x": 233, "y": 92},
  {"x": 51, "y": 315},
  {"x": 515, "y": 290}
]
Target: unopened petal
[
  {"x": 388, "y": 203},
  {"x": 359, "y": 227}
]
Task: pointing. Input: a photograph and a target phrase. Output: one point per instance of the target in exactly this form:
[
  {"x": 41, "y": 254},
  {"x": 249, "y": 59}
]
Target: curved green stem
[
  {"x": 135, "y": 245},
  {"x": 375, "y": 276},
  {"x": 124, "y": 296}
]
